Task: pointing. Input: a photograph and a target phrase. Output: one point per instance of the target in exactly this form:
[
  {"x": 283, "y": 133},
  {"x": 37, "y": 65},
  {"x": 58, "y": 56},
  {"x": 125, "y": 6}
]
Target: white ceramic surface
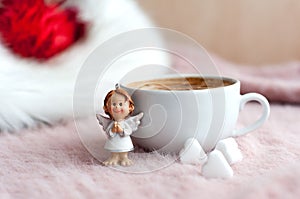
[{"x": 209, "y": 115}]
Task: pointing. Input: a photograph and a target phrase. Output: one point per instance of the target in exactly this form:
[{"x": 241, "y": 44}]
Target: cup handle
[{"x": 266, "y": 112}]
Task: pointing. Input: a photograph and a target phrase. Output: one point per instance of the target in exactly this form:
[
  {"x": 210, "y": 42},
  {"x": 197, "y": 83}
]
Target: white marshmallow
[
  {"x": 216, "y": 166},
  {"x": 230, "y": 150},
  {"x": 192, "y": 152}
]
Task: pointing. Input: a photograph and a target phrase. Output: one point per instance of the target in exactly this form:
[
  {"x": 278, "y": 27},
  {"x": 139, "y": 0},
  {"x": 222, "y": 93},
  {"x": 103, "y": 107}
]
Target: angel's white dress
[{"x": 119, "y": 142}]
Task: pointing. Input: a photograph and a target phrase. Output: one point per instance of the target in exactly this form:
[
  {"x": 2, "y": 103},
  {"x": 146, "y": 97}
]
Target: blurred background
[{"x": 254, "y": 32}]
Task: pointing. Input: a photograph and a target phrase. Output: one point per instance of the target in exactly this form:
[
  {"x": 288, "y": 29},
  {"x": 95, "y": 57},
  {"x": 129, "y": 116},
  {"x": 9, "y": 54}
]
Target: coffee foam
[{"x": 184, "y": 83}]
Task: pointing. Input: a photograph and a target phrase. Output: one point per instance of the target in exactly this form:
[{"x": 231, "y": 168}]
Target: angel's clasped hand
[{"x": 116, "y": 128}]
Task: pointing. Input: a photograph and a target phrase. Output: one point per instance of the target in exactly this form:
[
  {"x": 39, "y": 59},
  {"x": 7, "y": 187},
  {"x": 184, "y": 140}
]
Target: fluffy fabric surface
[
  {"x": 277, "y": 82},
  {"x": 51, "y": 162}
]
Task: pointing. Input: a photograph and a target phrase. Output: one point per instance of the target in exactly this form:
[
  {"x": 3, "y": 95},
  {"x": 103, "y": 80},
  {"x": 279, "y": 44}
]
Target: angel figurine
[{"x": 118, "y": 105}]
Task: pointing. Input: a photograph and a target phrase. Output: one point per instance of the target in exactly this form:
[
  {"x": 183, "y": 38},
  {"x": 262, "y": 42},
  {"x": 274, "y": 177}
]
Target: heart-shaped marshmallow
[
  {"x": 192, "y": 152},
  {"x": 216, "y": 166},
  {"x": 230, "y": 150}
]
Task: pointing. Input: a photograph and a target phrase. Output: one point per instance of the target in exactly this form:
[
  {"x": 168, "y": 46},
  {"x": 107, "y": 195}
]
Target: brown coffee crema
[{"x": 182, "y": 83}]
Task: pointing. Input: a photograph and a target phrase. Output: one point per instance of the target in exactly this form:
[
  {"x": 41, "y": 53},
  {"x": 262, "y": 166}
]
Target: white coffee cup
[{"x": 209, "y": 115}]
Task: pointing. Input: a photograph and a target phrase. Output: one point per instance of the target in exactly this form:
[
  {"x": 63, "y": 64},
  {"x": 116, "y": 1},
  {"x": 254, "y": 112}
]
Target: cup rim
[{"x": 233, "y": 80}]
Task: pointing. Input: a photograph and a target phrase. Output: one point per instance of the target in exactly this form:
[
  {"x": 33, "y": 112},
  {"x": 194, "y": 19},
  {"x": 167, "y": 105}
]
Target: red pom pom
[{"x": 31, "y": 28}]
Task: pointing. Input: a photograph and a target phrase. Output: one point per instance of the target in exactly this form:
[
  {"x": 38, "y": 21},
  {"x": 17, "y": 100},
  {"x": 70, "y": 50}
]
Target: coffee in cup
[{"x": 180, "y": 83}]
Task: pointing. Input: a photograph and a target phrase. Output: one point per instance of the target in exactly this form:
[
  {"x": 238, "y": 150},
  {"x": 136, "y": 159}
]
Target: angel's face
[{"x": 118, "y": 107}]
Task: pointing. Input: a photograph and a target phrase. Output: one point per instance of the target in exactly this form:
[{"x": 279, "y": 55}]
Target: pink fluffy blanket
[{"x": 51, "y": 162}]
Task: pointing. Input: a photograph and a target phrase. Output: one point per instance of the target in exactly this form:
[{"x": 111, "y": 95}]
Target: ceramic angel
[{"x": 118, "y": 105}]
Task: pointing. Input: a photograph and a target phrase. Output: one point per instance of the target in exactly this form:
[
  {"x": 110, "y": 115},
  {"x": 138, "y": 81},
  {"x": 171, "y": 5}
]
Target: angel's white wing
[
  {"x": 134, "y": 121},
  {"x": 103, "y": 121}
]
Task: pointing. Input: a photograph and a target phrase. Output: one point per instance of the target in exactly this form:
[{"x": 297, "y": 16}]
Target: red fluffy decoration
[{"x": 31, "y": 28}]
